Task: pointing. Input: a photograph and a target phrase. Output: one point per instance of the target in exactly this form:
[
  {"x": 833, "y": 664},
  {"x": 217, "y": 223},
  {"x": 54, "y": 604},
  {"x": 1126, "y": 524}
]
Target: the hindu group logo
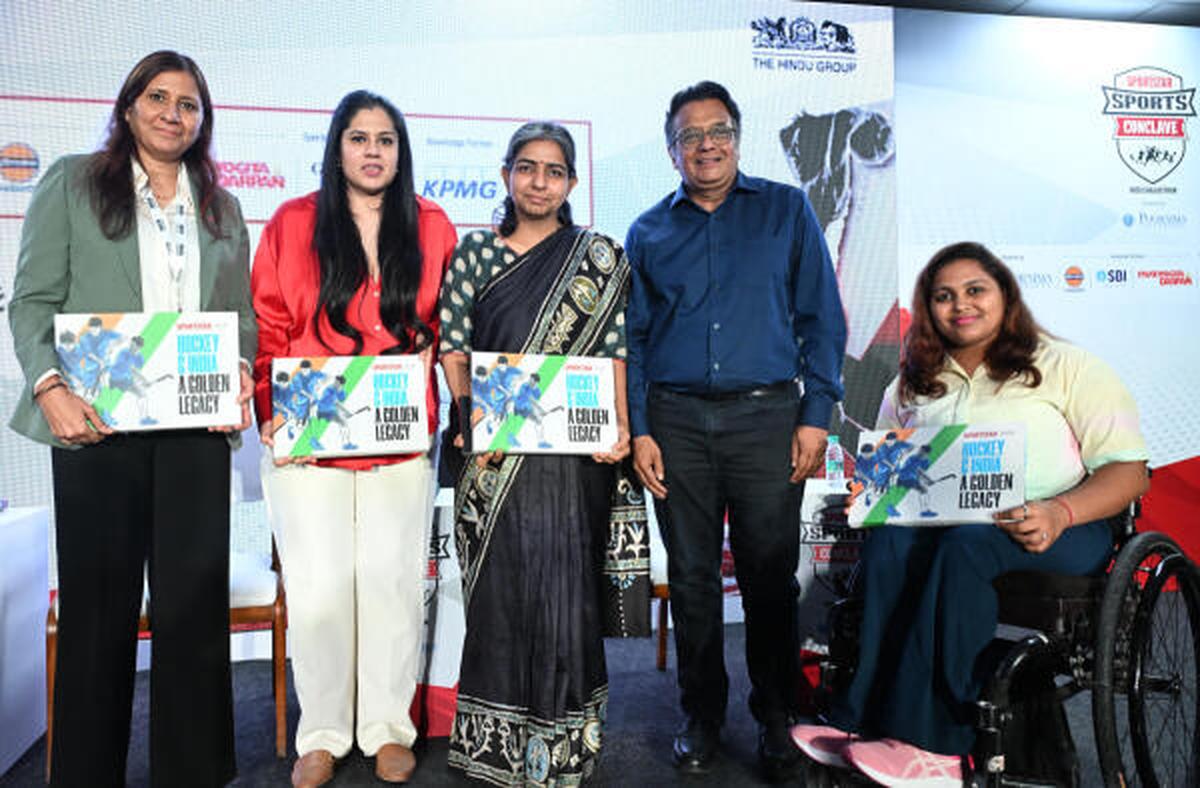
[
  {"x": 801, "y": 44},
  {"x": 1150, "y": 106},
  {"x": 1074, "y": 278},
  {"x": 801, "y": 33},
  {"x": 18, "y": 164}
]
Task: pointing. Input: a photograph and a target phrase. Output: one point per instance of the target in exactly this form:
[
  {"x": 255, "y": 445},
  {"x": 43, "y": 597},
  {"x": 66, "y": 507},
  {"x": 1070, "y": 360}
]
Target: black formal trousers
[
  {"x": 734, "y": 456},
  {"x": 159, "y": 500}
]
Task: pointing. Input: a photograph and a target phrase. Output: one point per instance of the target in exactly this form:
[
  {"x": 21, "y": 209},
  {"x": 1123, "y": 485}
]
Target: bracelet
[
  {"x": 55, "y": 385},
  {"x": 1067, "y": 506}
]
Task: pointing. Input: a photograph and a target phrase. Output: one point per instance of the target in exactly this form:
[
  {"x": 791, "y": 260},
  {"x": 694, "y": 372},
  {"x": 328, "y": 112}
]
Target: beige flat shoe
[
  {"x": 394, "y": 763},
  {"x": 313, "y": 769}
]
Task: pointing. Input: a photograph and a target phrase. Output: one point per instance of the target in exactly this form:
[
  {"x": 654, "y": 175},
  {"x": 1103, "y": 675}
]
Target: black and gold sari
[{"x": 553, "y": 549}]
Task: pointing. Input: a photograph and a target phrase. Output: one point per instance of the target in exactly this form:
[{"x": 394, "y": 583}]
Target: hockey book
[
  {"x": 959, "y": 473},
  {"x": 346, "y": 406},
  {"x": 153, "y": 370},
  {"x": 537, "y": 404}
]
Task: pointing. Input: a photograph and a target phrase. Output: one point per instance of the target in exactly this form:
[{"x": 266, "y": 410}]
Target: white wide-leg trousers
[{"x": 354, "y": 549}]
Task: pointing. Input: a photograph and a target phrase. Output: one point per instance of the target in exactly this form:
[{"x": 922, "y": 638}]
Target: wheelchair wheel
[{"x": 1144, "y": 701}]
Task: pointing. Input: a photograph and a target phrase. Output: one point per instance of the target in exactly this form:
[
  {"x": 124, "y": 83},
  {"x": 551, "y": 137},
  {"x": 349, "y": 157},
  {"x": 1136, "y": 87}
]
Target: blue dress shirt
[{"x": 742, "y": 297}]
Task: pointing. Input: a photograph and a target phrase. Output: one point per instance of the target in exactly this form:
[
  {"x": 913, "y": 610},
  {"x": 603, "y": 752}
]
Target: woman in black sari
[{"x": 531, "y": 531}]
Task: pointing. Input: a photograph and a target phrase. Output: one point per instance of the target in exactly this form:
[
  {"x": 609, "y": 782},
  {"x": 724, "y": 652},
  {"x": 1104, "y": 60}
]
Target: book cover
[
  {"x": 346, "y": 406},
  {"x": 538, "y": 404},
  {"x": 153, "y": 370},
  {"x": 959, "y": 473}
]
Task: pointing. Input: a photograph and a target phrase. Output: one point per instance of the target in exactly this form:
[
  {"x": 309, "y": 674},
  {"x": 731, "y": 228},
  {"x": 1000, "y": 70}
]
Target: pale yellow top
[{"x": 1080, "y": 418}]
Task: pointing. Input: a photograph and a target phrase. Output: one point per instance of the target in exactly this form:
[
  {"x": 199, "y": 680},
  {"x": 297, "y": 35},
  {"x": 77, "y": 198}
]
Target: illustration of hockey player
[
  {"x": 71, "y": 359},
  {"x": 526, "y": 405},
  {"x": 330, "y": 408},
  {"x": 912, "y": 476},
  {"x": 304, "y": 392},
  {"x": 486, "y": 399},
  {"x": 889, "y": 455},
  {"x": 870, "y": 473},
  {"x": 95, "y": 343},
  {"x": 125, "y": 374},
  {"x": 282, "y": 402},
  {"x": 494, "y": 392}
]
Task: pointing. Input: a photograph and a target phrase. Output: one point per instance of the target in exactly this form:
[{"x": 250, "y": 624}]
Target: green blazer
[{"x": 66, "y": 264}]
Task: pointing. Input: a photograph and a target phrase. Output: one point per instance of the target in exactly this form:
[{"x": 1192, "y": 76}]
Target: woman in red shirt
[{"x": 353, "y": 269}]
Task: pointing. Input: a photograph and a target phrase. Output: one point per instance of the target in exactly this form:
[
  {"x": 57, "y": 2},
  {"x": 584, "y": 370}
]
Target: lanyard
[{"x": 173, "y": 231}]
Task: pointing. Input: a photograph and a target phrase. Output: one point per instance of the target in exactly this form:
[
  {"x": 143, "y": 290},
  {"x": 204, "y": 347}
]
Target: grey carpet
[{"x": 642, "y": 718}]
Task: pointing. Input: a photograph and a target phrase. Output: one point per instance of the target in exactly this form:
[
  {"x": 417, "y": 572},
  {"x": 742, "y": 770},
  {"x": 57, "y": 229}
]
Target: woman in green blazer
[{"x": 95, "y": 240}]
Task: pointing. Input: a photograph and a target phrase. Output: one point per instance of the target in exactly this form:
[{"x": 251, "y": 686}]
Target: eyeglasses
[{"x": 691, "y": 137}]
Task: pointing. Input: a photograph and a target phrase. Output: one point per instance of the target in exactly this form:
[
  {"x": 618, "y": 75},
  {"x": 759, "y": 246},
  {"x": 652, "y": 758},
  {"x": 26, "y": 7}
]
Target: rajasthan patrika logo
[{"x": 1150, "y": 106}]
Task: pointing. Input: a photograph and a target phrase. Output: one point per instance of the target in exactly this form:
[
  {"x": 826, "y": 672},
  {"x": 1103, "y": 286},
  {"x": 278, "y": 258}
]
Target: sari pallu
[{"x": 533, "y": 534}]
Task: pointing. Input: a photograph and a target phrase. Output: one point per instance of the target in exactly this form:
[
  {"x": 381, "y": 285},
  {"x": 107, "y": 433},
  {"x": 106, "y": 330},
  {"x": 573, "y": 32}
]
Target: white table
[{"x": 23, "y": 597}]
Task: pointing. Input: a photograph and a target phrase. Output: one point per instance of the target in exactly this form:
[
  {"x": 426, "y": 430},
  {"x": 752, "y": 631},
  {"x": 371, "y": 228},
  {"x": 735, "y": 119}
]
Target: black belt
[{"x": 773, "y": 389}]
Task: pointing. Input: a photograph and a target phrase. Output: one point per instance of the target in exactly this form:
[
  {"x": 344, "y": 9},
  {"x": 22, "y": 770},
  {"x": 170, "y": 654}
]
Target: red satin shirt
[{"x": 286, "y": 280}]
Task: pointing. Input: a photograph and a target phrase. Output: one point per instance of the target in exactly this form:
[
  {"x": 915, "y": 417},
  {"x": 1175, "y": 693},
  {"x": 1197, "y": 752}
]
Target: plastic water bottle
[{"x": 835, "y": 467}]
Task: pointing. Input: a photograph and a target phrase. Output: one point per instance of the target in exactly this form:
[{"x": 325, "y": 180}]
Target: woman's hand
[
  {"x": 618, "y": 452},
  {"x": 1035, "y": 525},
  {"x": 244, "y": 396},
  {"x": 488, "y": 457},
  {"x": 72, "y": 420},
  {"x": 266, "y": 436}
]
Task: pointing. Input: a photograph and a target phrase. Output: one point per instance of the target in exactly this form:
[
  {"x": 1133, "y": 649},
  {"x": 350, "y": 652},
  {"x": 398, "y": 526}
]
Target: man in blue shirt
[{"x": 733, "y": 300}]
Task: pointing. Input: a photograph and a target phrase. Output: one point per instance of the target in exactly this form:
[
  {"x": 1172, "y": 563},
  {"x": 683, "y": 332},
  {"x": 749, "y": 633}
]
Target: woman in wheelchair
[{"x": 974, "y": 354}]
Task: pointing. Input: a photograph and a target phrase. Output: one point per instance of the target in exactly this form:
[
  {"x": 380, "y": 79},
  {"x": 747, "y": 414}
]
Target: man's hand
[
  {"x": 648, "y": 462},
  {"x": 71, "y": 419},
  {"x": 808, "y": 450}
]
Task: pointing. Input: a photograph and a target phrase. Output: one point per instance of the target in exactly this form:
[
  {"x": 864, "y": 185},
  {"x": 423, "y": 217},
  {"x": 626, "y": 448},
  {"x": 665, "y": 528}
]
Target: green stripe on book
[
  {"x": 512, "y": 425},
  {"x": 153, "y": 333},
  {"x": 353, "y": 373},
  {"x": 944, "y": 438}
]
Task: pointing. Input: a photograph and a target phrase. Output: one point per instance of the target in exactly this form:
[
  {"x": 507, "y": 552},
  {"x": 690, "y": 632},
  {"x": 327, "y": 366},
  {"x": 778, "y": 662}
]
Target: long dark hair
[
  {"x": 1010, "y": 354},
  {"x": 339, "y": 245},
  {"x": 531, "y": 132},
  {"x": 108, "y": 177}
]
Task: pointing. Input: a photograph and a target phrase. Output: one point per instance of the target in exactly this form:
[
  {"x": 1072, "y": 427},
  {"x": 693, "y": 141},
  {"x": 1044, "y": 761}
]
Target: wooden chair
[
  {"x": 256, "y": 600},
  {"x": 662, "y": 592}
]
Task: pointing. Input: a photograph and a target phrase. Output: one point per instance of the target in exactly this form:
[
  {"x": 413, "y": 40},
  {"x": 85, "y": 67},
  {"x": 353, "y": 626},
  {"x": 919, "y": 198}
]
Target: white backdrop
[
  {"x": 999, "y": 136},
  {"x": 466, "y": 74}
]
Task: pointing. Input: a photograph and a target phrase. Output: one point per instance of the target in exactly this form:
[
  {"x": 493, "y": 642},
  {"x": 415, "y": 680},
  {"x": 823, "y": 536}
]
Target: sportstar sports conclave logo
[{"x": 1150, "y": 106}]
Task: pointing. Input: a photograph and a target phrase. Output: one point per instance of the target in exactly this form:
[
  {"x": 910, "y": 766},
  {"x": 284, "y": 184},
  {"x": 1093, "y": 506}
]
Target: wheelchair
[{"x": 1131, "y": 637}]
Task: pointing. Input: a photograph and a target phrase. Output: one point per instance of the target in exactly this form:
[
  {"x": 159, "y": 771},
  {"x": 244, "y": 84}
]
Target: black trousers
[
  {"x": 731, "y": 455},
  {"x": 158, "y": 500}
]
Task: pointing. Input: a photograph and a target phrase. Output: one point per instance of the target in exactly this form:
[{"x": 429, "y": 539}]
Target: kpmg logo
[
  {"x": 1150, "y": 106},
  {"x": 801, "y": 34},
  {"x": 459, "y": 188}
]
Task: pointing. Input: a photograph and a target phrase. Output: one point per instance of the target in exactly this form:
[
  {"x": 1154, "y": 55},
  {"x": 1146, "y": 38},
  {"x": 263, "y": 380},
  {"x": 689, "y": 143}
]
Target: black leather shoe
[
  {"x": 778, "y": 754},
  {"x": 695, "y": 746}
]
